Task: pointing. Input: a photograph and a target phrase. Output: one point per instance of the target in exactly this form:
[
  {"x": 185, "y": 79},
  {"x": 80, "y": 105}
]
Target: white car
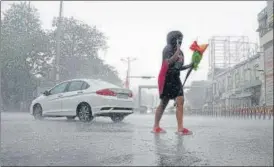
[{"x": 85, "y": 99}]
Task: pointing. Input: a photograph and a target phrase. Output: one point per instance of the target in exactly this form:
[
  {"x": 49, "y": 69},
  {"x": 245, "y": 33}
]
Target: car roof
[
  {"x": 78, "y": 79},
  {"x": 90, "y": 81}
]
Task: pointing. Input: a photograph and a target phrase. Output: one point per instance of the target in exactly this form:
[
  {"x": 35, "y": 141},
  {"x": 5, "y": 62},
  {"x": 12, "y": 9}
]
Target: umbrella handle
[{"x": 187, "y": 75}]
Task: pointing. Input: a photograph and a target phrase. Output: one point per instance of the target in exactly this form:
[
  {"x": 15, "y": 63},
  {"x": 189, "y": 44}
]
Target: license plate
[{"x": 122, "y": 96}]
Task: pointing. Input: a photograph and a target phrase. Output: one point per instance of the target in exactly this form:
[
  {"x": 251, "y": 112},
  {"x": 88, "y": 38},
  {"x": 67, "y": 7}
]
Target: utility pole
[
  {"x": 59, "y": 25},
  {"x": 1, "y": 100},
  {"x": 128, "y": 60},
  {"x": 1, "y": 64}
]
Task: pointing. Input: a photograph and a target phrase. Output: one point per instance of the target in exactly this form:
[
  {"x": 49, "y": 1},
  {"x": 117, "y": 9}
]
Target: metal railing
[{"x": 254, "y": 112}]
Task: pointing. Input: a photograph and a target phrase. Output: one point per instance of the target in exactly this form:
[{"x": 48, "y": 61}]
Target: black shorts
[{"x": 172, "y": 88}]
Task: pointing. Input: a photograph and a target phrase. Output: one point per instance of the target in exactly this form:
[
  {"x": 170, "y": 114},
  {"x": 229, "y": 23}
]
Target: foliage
[
  {"x": 80, "y": 44},
  {"x": 28, "y": 51},
  {"x": 24, "y": 51}
]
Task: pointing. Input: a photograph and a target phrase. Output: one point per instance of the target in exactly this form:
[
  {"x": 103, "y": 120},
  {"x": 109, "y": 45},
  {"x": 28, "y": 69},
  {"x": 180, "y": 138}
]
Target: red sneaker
[
  {"x": 158, "y": 130},
  {"x": 185, "y": 132}
]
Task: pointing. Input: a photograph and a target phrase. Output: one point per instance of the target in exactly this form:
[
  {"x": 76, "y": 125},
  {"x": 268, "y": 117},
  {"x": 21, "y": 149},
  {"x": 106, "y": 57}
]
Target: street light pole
[
  {"x": 1, "y": 100},
  {"x": 128, "y": 60},
  {"x": 1, "y": 64},
  {"x": 59, "y": 24}
]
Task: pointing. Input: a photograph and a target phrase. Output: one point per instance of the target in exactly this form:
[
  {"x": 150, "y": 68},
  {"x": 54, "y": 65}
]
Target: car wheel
[
  {"x": 71, "y": 118},
  {"x": 38, "y": 112},
  {"x": 84, "y": 112},
  {"x": 117, "y": 118}
]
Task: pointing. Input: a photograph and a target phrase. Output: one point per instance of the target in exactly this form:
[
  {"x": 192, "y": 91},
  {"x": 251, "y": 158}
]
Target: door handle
[{"x": 80, "y": 92}]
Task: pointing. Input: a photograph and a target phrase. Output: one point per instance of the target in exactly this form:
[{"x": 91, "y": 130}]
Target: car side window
[
  {"x": 59, "y": 88},
  {"x": 75, "y": 85},
  {"x": 85, "y": 86}
]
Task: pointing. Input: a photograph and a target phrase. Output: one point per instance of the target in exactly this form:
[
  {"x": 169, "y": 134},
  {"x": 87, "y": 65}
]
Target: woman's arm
[
  {"x": 169, "y": 56},
  {"x": 186, "y": 67}
]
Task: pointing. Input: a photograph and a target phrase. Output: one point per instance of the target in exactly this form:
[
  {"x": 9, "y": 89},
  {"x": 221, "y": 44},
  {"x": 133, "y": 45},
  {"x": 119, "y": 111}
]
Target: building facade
[
  {"x": 265, "y": 29},
  {"x": 239, "y": 86},
  {"x": 250, "y": 81}
]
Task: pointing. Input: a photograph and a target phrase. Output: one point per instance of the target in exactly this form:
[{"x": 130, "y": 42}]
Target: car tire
[
  {"x": 117, "y": 118},
  {"x": 38, "y": 112},
  {"x": 70, "y": 118},
  {"x": 84, "y": 112}
]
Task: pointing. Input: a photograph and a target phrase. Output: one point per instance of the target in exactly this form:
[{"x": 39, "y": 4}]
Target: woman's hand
[
  {"x": 178, "y": 51},
  {"x": 175, "y": 56},
  {"x": 191, "y": 65}
]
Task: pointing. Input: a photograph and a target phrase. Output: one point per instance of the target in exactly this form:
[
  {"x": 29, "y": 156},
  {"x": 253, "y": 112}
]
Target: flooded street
[
  {"x": 57, "y": 141},
  {"x": 208, "y": 63}
]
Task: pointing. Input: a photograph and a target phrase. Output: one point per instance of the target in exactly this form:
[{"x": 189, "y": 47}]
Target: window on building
[
  {"x": 246, "y": 74},
  {"x": 241, "y": 75},
  {"x": 226, "y": 84},
  {"x": 213, "y": 88},
  {"x": 251, "y": 74},
  {"x": 237, "y": 79},
  {"x": 223, "y": 85},
  {"x": 229, "y": 84},
  {"x": 263, "y": 27},
  {"x": 256, "y": 72}
]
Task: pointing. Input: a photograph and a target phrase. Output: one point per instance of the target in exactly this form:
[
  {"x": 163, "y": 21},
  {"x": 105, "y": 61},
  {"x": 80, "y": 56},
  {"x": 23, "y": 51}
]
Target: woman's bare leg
[
  {"x": 159, "y": 111},
  {"x": 180, "y": 112}
]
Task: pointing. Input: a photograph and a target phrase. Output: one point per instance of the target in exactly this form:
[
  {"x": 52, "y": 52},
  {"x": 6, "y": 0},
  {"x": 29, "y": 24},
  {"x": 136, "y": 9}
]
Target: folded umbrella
[{"x": 197, "y": 56}]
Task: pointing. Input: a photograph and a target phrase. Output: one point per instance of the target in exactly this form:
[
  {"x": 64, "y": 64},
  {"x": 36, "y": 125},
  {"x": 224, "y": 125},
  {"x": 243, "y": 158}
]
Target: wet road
[{"x": 216, "y": 141}]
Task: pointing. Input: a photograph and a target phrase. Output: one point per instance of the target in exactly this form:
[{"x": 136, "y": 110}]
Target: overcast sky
[{"x": 138, "y": 29}]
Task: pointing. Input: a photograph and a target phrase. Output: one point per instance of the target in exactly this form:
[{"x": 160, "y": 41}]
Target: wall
[
  {"x": 268, "y": 53},
  {"x": 269, "y": 10},
  {"x": 244, "y": 81},
  {"x": 265, "y": 20},
  {"x": 266, "y": 41}
]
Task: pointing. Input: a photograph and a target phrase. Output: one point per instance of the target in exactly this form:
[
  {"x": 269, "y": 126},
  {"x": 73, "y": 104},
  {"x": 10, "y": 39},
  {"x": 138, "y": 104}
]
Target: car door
[
  {"x": 72, "y": 97},
  {"x": 52, "y": 104}
]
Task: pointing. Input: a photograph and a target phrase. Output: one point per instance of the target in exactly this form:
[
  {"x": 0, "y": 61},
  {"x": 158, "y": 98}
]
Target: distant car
[{"x": 85, "y": 99}]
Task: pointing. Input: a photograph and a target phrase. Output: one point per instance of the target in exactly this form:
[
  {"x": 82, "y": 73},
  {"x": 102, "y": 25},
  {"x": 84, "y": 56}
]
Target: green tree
[
  {"x": 80, "y": 44},
  {"x": 24, "y": 52}
]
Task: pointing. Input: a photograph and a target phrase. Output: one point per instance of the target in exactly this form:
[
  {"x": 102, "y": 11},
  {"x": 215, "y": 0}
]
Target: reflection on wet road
[{"x": 216, "y": 141}]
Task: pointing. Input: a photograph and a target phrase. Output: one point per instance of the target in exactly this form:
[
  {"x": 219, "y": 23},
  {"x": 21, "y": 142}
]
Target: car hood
[{"x": 38, "y": 98}]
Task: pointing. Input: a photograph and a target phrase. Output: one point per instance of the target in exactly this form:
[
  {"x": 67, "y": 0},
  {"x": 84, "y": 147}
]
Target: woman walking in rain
[{"x": 170, "y": 85}]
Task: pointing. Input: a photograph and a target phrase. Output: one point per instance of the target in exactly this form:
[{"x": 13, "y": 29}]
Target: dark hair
[{"x": 172, "y": 36}]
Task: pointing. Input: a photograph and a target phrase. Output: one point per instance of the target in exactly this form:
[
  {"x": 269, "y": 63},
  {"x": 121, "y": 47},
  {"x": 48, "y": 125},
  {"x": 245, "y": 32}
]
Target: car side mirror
[{"x": 46, "y": 93}]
